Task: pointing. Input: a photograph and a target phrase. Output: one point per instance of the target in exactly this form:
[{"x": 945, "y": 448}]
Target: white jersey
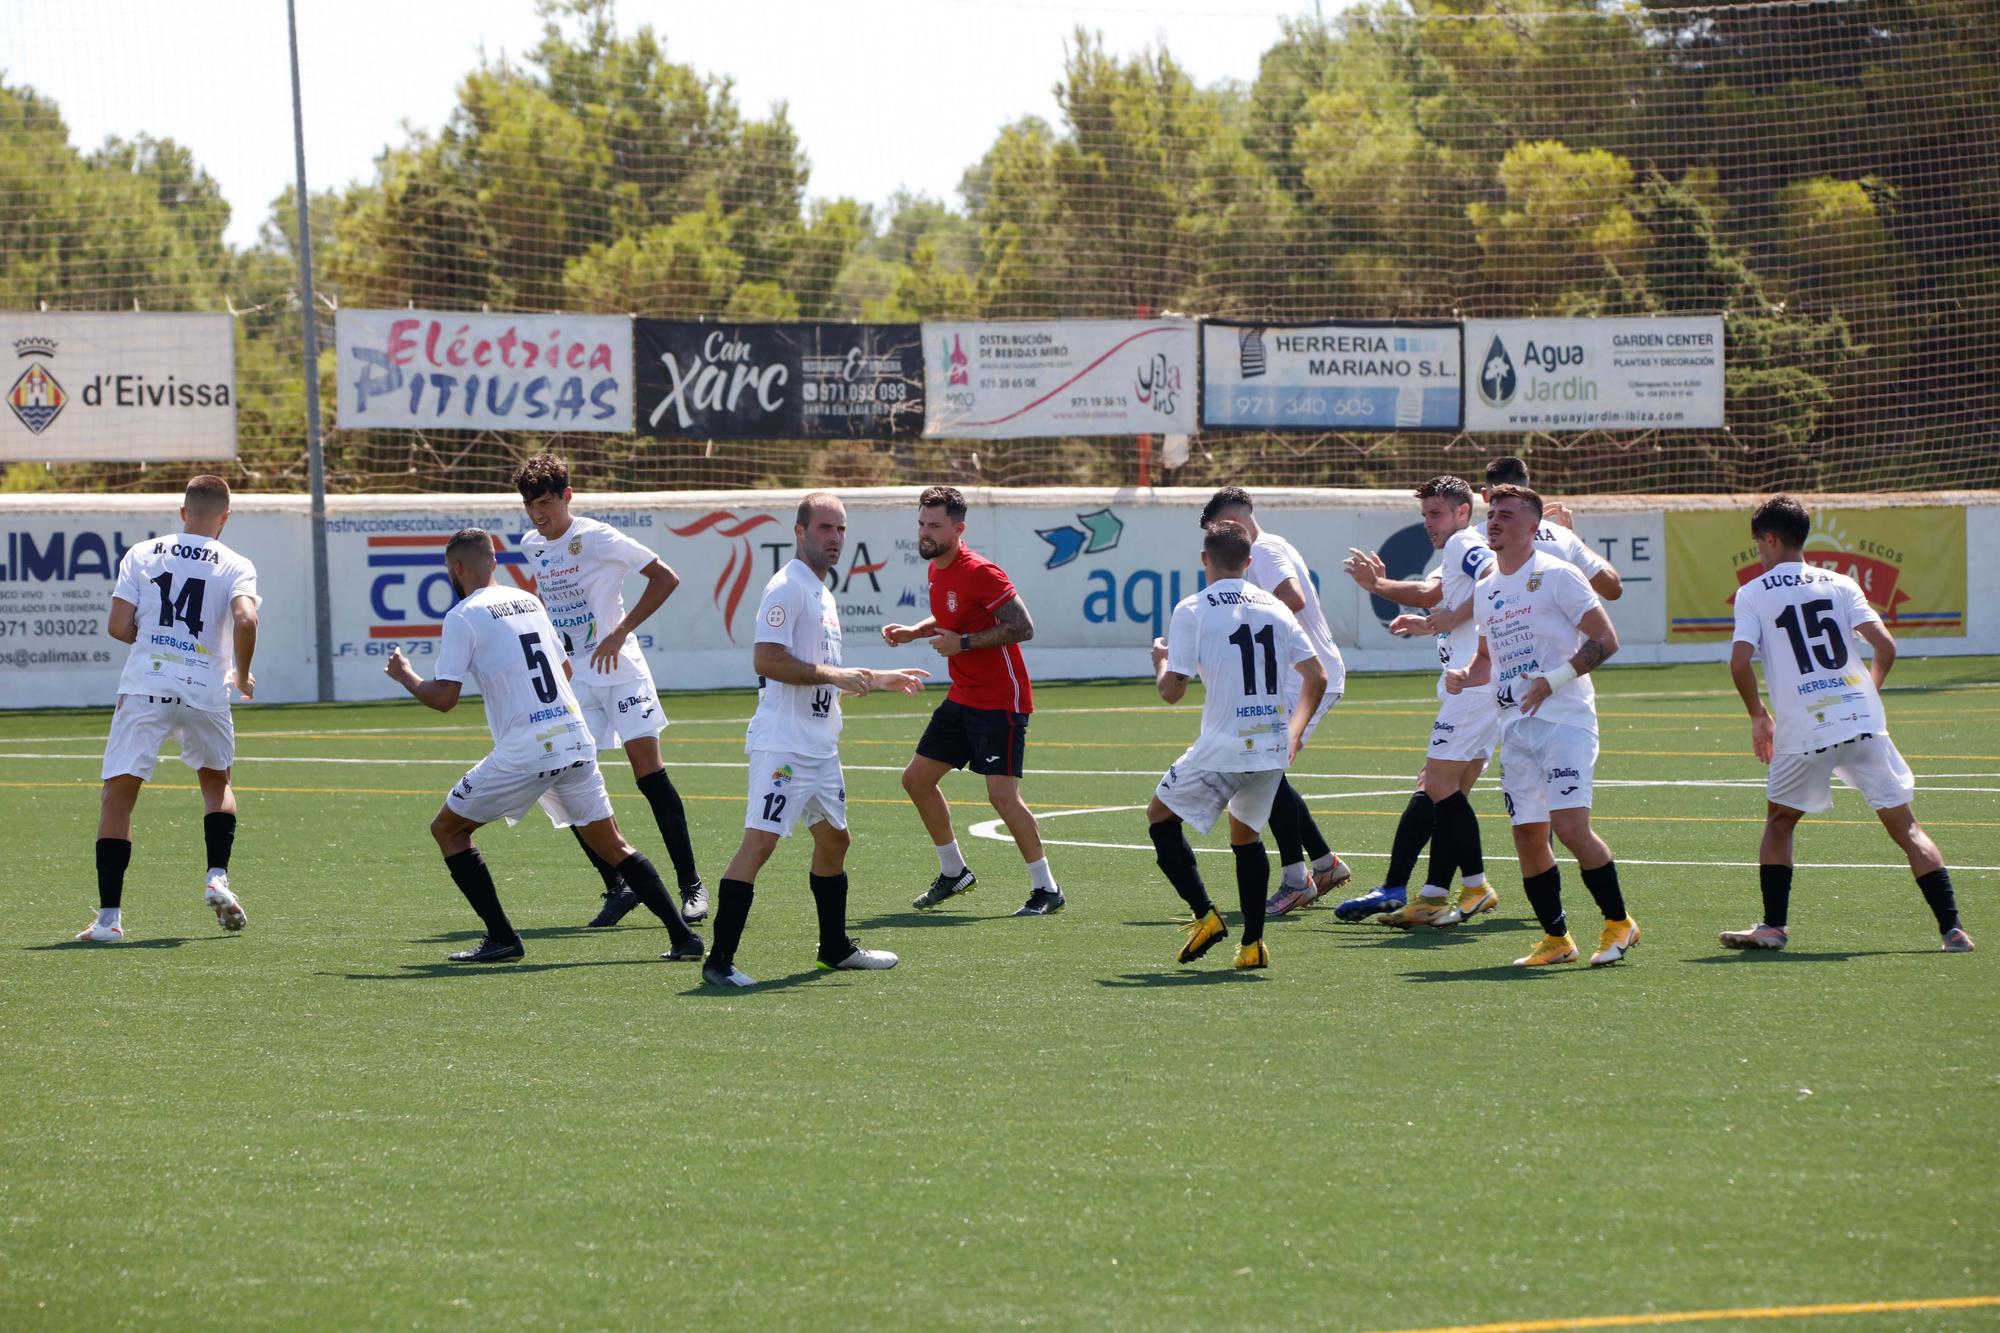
[
  {"x": 1530, "y": 620},
  {"x": 1558, "y": 541},
  {"x": 1243, "y": 643},
  {"x": 500, "y": 640},
  {"x": 798, "y": 613},
  {"x": 1802, "y": 619},
  {"x": 580, "y": 577},
  {"x": 1466, "y": 558},
  {"x": 184, "y": 587},
  {"x": 1272, "y": 561}
]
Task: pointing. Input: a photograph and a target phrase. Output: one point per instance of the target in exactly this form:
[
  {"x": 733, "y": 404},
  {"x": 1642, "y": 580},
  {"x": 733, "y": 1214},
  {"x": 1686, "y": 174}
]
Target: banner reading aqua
[
  {"x": 1059, "y": 377},
  {"x": 420, "y": 369},
  {"x": 1351, "y": 375}
]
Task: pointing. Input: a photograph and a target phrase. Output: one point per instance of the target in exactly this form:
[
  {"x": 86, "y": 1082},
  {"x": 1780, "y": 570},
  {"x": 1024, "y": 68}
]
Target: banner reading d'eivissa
[
  {"x": 1059, "y": 377},
  {"x": 440, "y": 370}
]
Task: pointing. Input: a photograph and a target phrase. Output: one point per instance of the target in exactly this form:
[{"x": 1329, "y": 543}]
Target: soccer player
[
  {"x": 1242, "y": 642},
  {"x": 1830, "y": 721},
  {"x": 187, "y": 605},
  {"x": 580, "y": 567},
  {"x": 1462, "y": 737},
  {"x": 794, "y": 746},
  {"x": 977, "y": 624},
  {"x": 1533, "y": 611},
  {"x": 503, "y": 642},
  {"x": 1277, "y": 567}
]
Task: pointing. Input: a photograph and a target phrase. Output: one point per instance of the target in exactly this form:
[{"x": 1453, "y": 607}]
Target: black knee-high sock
[
  {"x": 218, "y": 830},
  {"x": 613, "y": 881},
  {"x": 1310, "y": 837},
  {"x": 638, "y": 872},
  {"x": 475, "y": 881},
  {"x": 1937, "y": 892},
  {"x": 113, "y": 855},
  {"x": 1455, "y": 841},
  {"x": 1603, "y": 885},
  {"x": 732, "y": 909},
  {"x": 1176, "y": 861},
  {"x": 1253, "y": 881},
  {"x": 1545, "y": 896},
  {"x": 1413, "y": 830},
  {"x": 671, "y": 816},
  {"x": 830, "y": 897},
  {"x": 1776, "y": 882},
  {"x": 1285, "y": 827}
]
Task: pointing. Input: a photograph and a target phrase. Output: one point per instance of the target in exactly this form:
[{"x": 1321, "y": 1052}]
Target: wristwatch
[{"x": 965, "y": 643}]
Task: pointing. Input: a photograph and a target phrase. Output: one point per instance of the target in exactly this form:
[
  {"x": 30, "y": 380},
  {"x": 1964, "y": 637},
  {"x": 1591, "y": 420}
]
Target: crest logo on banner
[
  {"x": 1497, "y": 379},
  {"x": 734, "y": 580},
  {"x": 1250, "y": 352},
  {"x": 36, "y": 398}
]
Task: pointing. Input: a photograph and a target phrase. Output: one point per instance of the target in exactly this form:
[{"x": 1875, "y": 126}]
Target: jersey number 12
[{"x": 1268, "y": 637}]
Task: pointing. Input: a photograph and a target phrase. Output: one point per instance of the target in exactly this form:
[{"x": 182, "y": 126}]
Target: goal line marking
[{"x": 1712, "y": 1316}]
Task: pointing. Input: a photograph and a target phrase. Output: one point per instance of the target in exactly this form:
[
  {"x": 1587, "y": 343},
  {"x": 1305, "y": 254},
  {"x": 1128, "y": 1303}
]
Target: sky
[{"x": 884, "y": 94}]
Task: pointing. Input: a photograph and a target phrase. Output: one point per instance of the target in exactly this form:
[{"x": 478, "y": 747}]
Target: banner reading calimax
[
  {"x": 436, "y": 370},
  {"x": 704, "y": 381},
  {"x": 1352, "y": 375},
  {"x": 1059, "y": 377}
]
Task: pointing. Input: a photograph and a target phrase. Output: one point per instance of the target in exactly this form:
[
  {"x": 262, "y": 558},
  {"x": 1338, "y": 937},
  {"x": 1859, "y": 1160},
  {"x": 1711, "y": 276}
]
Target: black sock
[
  {"x": 613, "y": 881},
  {"x": 1603, "y": 885},
  {"x": 218, "y": 830},
  {"x": 1937, "y": 892},
  {"x": 830, "y": 897},
  {"x": 1284, "y": 825},
  {"x": 638, "y": 872},
  {"x": 1176, "y": 861},
  {"x": 1314, "y": 841},
  {"x": 475, "y": 881},
  {"x": 1776, "y": 882},
  {"x": 1545, "y": 896},
  {"x": 1253, "y": 882},
  {"x": 1456, "y": 825},
  {"x": 1471, "y": 855},
  {"x": 113, "y": 855},
  {"x": 732, "y": 909},
  {"x": 1413, "y": 830},
  {"x": 671, "y": 816}
]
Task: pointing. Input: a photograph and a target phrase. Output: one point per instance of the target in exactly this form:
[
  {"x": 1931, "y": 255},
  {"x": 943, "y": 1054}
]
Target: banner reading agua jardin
[
  {"x": 418, "y": 369},
  {"x": 1593, "y": 374},
  {"x": 703, "y": 381},
  {"x": 1332, "y": 376},
  {"x": 1910, "y": 562},
  {"x": 1059, "y": 377},
  {"x": 129, "y": 388}
]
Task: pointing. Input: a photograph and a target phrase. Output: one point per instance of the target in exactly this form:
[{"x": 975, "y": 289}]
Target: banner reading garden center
[
  {"x": 1910, "y": 563},
  {"x": 705, "y": 381},
  {"x": 440, "y": 370},
  {"x": 1345, "y": 376},
  {"x": 1059, "y": 377},
  {"x": 1593, "y": 374},
  {"x": 128, "y": 388}
]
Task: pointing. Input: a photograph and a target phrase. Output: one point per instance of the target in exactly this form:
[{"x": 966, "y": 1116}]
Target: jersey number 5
[
  {"x": 185, "y": 608},
  {"x": 1268, "y": 637},
  {"x": 1828, "y": 646},
  {"x": 544, "y": 675}
]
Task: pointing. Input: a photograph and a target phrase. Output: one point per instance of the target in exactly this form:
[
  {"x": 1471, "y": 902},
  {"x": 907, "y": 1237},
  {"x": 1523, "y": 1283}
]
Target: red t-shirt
[{"x": 964, "y": 595}]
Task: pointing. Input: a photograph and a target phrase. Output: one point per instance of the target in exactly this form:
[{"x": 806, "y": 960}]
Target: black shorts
[{"x": 991, "y": 740}]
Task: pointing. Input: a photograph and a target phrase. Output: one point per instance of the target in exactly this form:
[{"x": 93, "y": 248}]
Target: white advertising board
[
  {"x": 129, "y": 388},
  {"x": 1059, "y": 377},
  {"x": 1594, "y": 374}
]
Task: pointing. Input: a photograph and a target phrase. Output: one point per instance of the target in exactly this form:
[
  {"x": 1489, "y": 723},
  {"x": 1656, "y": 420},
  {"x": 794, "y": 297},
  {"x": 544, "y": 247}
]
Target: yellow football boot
[
  {"x": 1422, "y": 912},
  {"x": 1202, "y": 935},
  {"x": 1619, "y": 938},
  {"x": 1553, "y": 949},
  {"x": 1471, "y": 902},
  {"x": 1253, "y": 955}
]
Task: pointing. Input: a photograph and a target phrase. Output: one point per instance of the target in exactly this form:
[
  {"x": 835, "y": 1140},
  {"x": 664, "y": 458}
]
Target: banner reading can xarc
[{"x": 1910, "y": 562}]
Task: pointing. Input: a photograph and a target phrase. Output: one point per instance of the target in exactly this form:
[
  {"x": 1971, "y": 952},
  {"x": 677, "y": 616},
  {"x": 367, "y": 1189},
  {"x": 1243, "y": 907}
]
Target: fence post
[{"x": 315, "y": 454}]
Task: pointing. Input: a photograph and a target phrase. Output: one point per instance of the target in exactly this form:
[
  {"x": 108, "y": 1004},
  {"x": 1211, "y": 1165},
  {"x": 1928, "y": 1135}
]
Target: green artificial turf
[{"x": 1036, "y": 1122}]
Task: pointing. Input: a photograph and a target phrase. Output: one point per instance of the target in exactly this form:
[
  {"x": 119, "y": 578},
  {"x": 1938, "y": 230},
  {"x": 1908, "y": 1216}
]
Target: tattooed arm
[
  {"x": 1014, "y": 625},
  {"x": 1600, "y": 641}
]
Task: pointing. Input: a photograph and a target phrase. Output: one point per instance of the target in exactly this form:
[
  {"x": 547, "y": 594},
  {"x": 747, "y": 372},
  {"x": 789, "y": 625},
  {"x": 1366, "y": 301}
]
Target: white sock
[
  {"x": 1475, "y": 881},
  {"x": 1433, "y": 891},
  {"x": 110, "y": 916},
  {"x": 949, "y": 859},
  {"x": 1324, "y": 862},
  {"x": 1294, "y": 875},
  {"x": 217, "y": 872},
  {"x": 1041, "y": 877}
]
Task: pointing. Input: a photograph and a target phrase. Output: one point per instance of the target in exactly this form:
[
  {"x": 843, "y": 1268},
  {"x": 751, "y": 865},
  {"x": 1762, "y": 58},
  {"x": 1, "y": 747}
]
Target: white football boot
[{"x": 228, "y": 912}]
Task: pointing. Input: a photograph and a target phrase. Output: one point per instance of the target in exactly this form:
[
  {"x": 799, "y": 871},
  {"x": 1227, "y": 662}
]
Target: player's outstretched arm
[
  {"x": 1312, "y": 688},
  {"x": 1762, "y": 729},
  {"x": 1433, "y": 621},
  {"x": 243, "y": 614},
  {"x": 774, "y": 661},
  {"x": 1606, "y": 584},
  {"x": 439, "y": 694},
  {"x": 123, "y": 624},
  {"x": 898, "y": 635},
  {"x": 1367, "y": 569},
  {"x": 1884, "y": 644}
]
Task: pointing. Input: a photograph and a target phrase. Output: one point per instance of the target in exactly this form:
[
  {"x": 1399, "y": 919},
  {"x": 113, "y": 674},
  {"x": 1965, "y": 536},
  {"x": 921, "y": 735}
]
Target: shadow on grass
[
  {"x": 1752, "y": 957},
  {"x": 702, "y": 991},
  {"x": 1505, "y": 972},
  {"x": 156, "y": 942},
  {"x": 1130, "y": 980},
  {"x": 540, "y": 932},
  {"x": 430, "y": 971},
  {"x": 915, "y": 920},
  {"x": 1423, "y": 937}
]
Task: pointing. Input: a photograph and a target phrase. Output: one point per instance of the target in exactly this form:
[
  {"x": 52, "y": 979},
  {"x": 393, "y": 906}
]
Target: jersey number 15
[{"x": 1827, "y": 644}]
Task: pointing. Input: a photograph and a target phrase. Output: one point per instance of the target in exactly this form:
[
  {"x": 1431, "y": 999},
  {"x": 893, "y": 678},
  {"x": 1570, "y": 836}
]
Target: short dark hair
[
  {"x": 1508, "y": 489},
  {"x": 1507, "y": 471},
  {"x": 1457, "y": 491},
  {"x": 544, "y": 474},
  {"x": 1229, "y": 497},
  {"x": 814, "y": 500},
  {"x": 207, "y": 495},
  {"x": 1227, "y": 544},
  {"x": 466, "y": 539},
  {"x": 1784, "y": 518},
  {"x": 947, "y": 496}
]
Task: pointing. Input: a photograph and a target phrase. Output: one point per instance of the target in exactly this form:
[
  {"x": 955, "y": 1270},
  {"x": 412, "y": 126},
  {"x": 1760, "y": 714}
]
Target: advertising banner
[
  {"x": 1059, "y": 377},
  {"x": 431, "y": 370},
  {"x": 1593, "y": 374},
  {"x": 1355, "y": 375},
  {"x": 128, "y": 388},
  {"x": 1910, "y": 562},
  {"x": 706, "y": 381}
]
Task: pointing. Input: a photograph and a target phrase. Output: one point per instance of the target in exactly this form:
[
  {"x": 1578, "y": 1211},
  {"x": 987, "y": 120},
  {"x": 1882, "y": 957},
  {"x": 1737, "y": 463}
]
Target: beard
[{"x": 929, "y": 548}]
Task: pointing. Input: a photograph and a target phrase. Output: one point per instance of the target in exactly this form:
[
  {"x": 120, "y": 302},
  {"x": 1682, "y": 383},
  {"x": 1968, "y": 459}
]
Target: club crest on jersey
[
  {"x": 951, "y": 600},
  {"x": 576, "y": 546},
  {"x": 1535, "y": 581},
  {"x": 775, "y": 617}
]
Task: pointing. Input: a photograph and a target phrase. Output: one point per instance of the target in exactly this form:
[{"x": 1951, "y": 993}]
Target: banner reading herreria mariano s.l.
[
  {"x": 708, "y": 381},
  {"x": 1594, "y": 374},
  {"x": 1059, "y": 377},
  {"x": 444, "y": 370},
  {"x": 128, "y": 388},
  {"x": 1348, "y": 375}
]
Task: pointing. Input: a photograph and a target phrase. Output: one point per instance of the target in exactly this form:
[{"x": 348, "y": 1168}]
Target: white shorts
[
  {"x": 784, "y": 789},
  {"x": 144, "y": 721},
  {"x": 572, "y": 795},
  {"x": 1200, "y": 795},
  {"x": 621, "y": 712},
  {"x": 1546, "y": 766},
  {"x": 1326, "y": 703},
  {"x": 1467, "y": 726},
  {"x": 1870, "y": 765}
]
